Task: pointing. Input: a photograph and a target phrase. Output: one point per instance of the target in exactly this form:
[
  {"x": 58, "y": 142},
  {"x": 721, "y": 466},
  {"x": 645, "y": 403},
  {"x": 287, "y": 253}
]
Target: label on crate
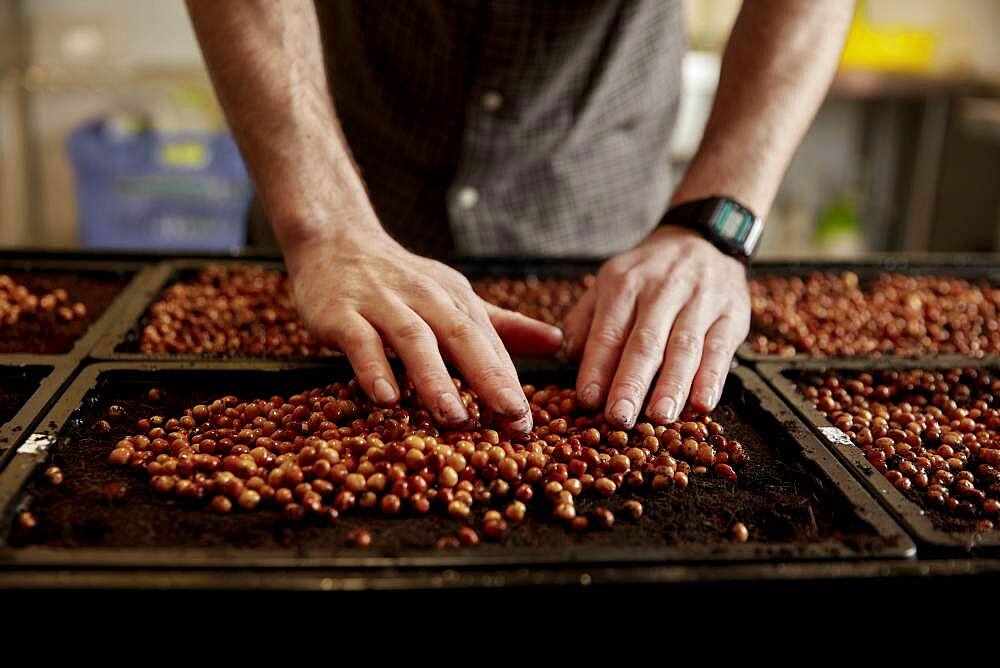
[
  {"x": 835, "y": 435},
  {"x": 36, "y": 444}
]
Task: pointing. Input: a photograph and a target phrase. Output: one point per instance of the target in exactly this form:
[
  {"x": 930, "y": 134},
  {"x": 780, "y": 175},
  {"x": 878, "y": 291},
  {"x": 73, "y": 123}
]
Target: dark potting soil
[
  {"x": 780, "y": 497},
  {"x": 52, "y": 336},
  {"x": 17, "y": 384}
]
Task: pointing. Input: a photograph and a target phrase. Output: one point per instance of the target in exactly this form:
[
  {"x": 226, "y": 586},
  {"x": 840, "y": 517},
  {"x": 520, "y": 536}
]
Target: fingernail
[
  {"x": 451, "y": 409},
  {"x": 665, "y": 409},
  {"x": 522, "y": 425},
  {"x": 623, "y": 412},
  {"x": 383, "y": 391},
  {"x": 511, "y": 403},
  {"x": 707, "y": 398},
  {"x": 590, "y": 396}
]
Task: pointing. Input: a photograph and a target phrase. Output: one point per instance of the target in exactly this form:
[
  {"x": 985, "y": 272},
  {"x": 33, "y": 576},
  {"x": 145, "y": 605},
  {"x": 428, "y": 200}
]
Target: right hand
[{"x": 360, "y": 294}]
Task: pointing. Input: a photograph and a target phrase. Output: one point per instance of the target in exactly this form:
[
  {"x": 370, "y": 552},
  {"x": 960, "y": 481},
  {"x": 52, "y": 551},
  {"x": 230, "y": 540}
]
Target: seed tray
[
  {"x": 120, "y": 341},
  {"x": 969, "y": 267},
  {"x": 102, "y": 285},
  {"x": 934, "y": 530},
  {"x": 798, "y": 502},
  {"x": 28, "y": 386}
]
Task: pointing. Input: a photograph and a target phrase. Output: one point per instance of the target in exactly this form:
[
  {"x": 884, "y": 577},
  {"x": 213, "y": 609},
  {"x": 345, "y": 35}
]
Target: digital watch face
[{"x": 735, "y": 225}]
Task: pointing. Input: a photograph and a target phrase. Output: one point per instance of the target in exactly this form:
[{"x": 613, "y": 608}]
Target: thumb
[{"x": 522, "y": 335}]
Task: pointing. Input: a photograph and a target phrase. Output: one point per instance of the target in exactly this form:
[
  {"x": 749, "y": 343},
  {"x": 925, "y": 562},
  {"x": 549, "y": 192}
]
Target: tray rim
[
  {"x": 50, "y": 387},
  {"x": 30, "y": 579}
]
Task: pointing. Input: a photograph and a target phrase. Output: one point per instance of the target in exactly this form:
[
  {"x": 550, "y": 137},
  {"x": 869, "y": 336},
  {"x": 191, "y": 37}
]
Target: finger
[
  {"x": 363, "y": 346},
  {"x": 681, "y": 360},
  {"x": 415, "y": 344},
  {"x": 577, "y": 324},
  {"x": 644, "y": 353},
  {"x": 478, "y": 308},
  {"x": 721, "y": 342},
  {"x": 522, "y": 335},
  {"x": 468, "y": 346},
  {"x": 609, "y": 328},
  {"x": 517, "y": 426}
]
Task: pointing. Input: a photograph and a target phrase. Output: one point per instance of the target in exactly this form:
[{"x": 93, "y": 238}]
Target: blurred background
[{"x": 110, "y": 136}]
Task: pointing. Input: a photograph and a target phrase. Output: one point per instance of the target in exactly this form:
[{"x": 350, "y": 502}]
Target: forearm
[
  {"x": 266, "y": 63},
  {"x": 777, "y": 66}
]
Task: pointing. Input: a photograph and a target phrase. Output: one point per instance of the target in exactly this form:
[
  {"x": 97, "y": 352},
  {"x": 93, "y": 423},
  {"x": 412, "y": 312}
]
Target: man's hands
[
  {"x": 673, "y": 305},
  {"x": 363, "y": 294}
]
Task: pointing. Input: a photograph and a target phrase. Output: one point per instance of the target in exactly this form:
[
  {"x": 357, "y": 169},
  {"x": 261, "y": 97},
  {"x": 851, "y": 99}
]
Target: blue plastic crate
[{"x": 160, "y": 191}]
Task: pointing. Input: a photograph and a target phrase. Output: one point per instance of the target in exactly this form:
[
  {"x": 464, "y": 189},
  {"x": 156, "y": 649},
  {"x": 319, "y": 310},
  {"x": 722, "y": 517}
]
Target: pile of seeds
[
  {"x": 228, "y": 311},
  {"x": 327, "y": 451},
  {"x": 18, "y": 303},
  {"x": 932, "y": 434},
  {"x": 832, "y": 315},
  {"x": 545, "y": 299}
]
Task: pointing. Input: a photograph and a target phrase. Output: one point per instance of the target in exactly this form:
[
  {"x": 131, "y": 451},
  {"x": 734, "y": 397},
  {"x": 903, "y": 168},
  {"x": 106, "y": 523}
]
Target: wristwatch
[{"x": 731, "y": 227}]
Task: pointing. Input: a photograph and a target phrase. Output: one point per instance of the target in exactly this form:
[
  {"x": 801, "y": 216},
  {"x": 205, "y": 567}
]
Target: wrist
[
  {"x": 348, "y": 231},
  {"x": 309, "y": 246},
  {"x": 726, "y": 223},
  {"x": 743, "y": 187}
]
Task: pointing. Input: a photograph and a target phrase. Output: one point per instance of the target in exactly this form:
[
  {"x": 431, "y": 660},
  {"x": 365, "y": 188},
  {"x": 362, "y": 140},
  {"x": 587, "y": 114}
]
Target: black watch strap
[{"x": 730, "y": 226}]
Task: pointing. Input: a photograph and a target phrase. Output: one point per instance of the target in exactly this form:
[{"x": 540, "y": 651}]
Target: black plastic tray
[
  {"x": 908, "y": 512},
  {"x": 970, "y": 267},
  {"x": 51, "y": 373},
  {"x": 686, "y": 584},
  {"x": 119, "y": 341},
  {"x": 758, "y": 405},
  {"x": 128, "y": 272}
]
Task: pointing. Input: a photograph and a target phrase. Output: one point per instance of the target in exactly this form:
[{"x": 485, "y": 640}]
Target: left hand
[{"x": 674, "y": 304}]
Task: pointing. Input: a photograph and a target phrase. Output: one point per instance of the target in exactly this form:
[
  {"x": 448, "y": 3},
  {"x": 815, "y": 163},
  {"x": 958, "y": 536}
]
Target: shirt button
[
  {"x": 492, "y": 100},
  {"x": 468, "y": 197}
]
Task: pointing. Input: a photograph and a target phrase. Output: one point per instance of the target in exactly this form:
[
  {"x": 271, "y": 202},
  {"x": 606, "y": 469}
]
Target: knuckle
[
  {"x": 718, "y": 346},
  {"x": 352, "y": 340},
  {"x": 368, "y": 368},
  {"x": 494, "y": 375},
  {"x": 627, "y": 282},
  {"x": 630, "y": 385},
  {"x": 461, "y": 328},
  {"x": 685, "y": 343},
  {"x": 421, "y": 286},
  {"x": 326, "y": 321},
  {"x": 412, "y": 330},
  {"x": 428, "y": 377},
  {"x": 608, "y": 338},
  {"x": 671, "y": 385},
  {"x": 648, "y": 341},
  {"x": 680, "y": 282},
  {"x": 462, "y": 284},
  {"x": 712, "y": 376}
]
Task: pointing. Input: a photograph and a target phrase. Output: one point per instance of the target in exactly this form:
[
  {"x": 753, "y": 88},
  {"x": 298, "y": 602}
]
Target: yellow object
[
  {"x": 184, "y": 154},
  {"x": 887, "y": 47}
]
